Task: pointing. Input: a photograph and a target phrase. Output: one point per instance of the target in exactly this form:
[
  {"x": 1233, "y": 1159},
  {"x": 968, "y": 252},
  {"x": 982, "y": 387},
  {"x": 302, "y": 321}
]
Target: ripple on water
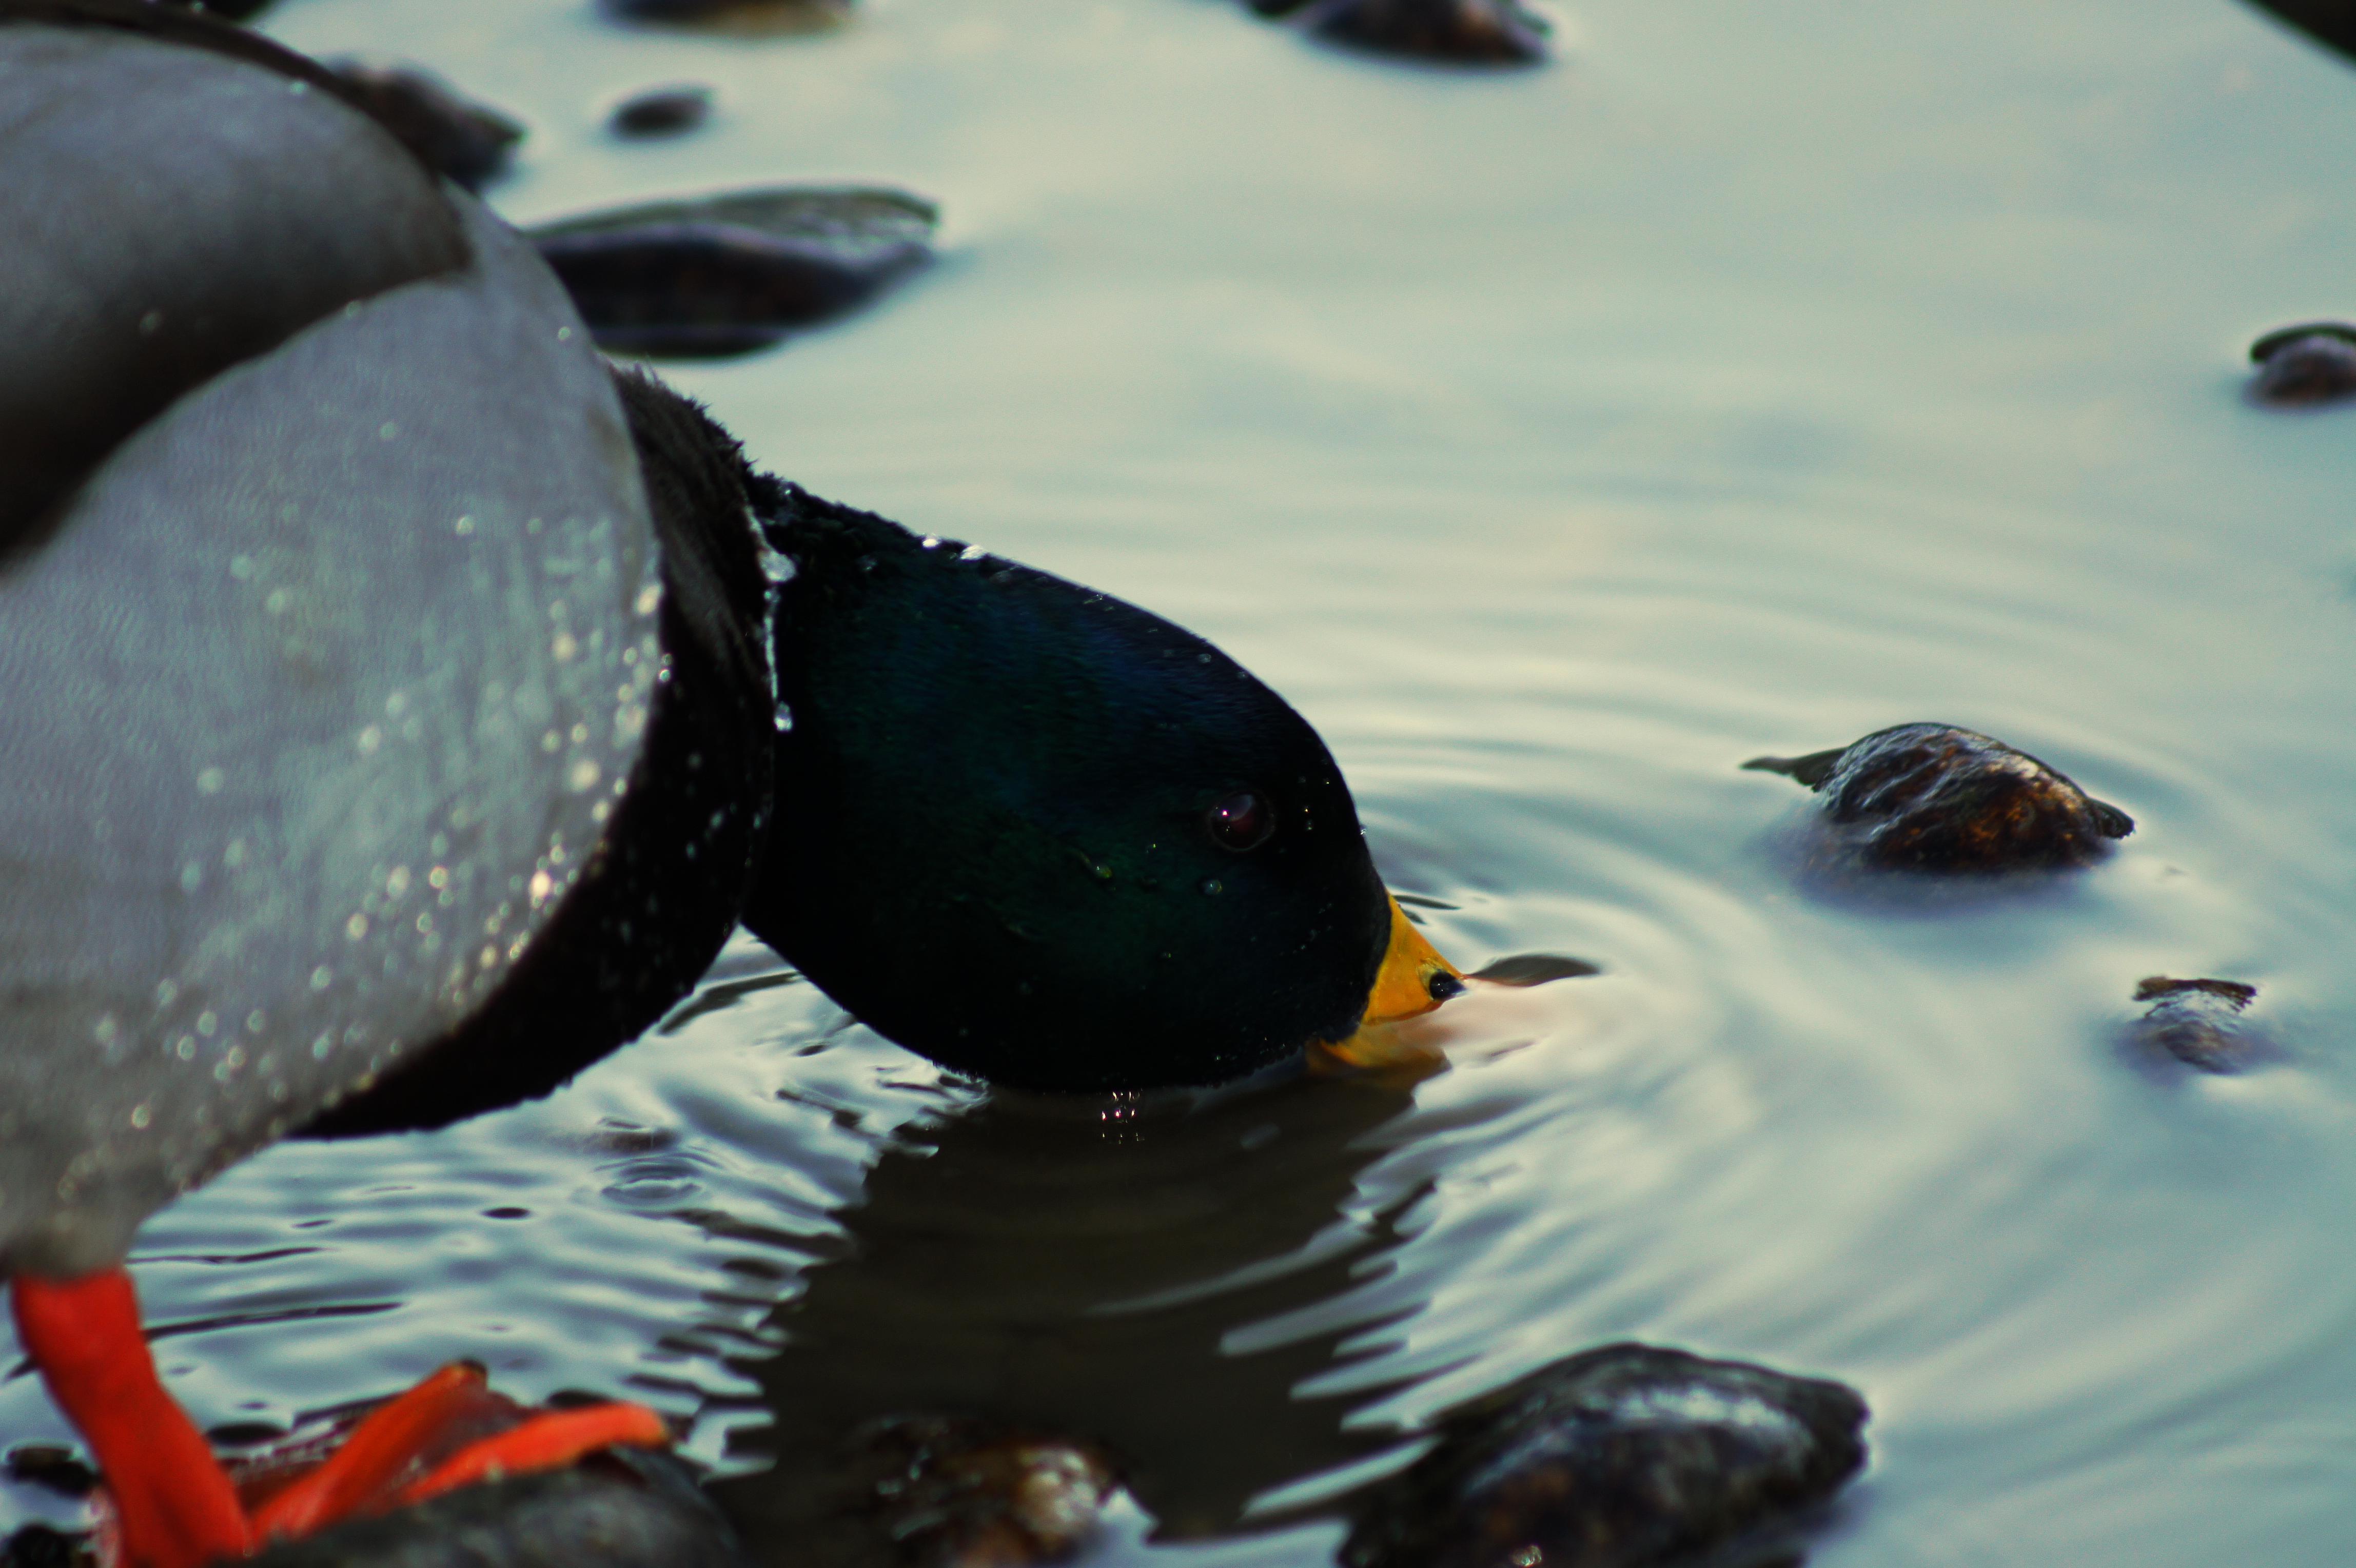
[{"x": 1556, "y": 446}]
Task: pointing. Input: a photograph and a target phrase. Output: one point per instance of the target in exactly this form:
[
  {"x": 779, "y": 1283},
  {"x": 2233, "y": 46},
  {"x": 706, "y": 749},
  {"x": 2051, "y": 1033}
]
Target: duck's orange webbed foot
[
  {"x": 382, "y": 1451},
  {"x": 172, "y": 1504},
  {"x": 552, "y": 1440},
  {"x": 450, "y": 1431}
]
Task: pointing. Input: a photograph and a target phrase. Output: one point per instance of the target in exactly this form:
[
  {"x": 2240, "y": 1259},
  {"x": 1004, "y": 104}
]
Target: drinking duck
[{"x": 404, "y": 706}]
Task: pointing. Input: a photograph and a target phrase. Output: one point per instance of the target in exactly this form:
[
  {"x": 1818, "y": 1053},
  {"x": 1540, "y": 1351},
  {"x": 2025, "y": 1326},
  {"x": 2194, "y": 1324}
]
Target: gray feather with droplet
[{"x": 318, "y": 678}]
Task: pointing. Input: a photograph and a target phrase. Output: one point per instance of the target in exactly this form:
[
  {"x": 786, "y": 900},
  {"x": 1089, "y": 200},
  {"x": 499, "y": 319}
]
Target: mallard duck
[{"x": 405, "y": 705}]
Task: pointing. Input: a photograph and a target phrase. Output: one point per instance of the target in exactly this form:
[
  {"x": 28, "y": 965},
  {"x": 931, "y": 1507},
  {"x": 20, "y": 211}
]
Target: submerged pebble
[
  {"x": 662, "y": 112},
  {"x": 1467, "y": 32},
  {"x": 1527, "y": 969},
  {"x": 954, "y": 1492},
  {"x": 1928, "y": 797},
  {"x": 725, "y": 274},
  {"x": 1618, "y": 1458},
  {"x": 458, "y": 138},
  {"x": 2301, "y": 366},
  {"x": 2198, "y": 1021}
]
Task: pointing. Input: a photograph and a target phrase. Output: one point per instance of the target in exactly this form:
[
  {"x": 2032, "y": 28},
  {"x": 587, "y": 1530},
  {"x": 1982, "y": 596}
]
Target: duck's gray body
[{"x": 323, "y": 679}]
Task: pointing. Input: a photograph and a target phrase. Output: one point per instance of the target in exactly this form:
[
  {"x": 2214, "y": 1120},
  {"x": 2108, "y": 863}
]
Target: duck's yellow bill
[{"x": 1413, "y": 980}]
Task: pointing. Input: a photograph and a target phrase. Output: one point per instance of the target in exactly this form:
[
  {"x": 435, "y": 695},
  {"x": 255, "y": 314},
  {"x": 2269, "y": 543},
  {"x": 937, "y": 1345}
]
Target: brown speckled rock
[
  {"x": 2299, "y": 367},
  {"x": 1624, "y": 1457},
  {"x": 953, "y": 1492},
  {"x": 1931, "y": 797}
]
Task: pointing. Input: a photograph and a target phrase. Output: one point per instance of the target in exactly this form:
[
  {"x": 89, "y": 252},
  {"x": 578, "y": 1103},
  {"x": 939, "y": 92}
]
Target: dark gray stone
[
  {"x": 1619, "y": 1457},
  {"x": 38, "y": 1546},
  {"x": 458, "y": 137},
  {"x": 733, "y": 16},
  {"x": 2331, "y": 22},
  {"x": 619, "y": 1510},
  {"x": 2302, "y": 366},
  {"x": 234, "y": 10},
  {"x": 1459, "y": 32},
  {"x": 52, "y": 1468},
  {"x": 662, "y": 112},
  {"x": 727, "y": 274}
]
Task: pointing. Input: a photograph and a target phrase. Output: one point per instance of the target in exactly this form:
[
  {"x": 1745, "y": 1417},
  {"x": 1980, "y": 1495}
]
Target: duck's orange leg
[{"x": 176, "y": 1506}]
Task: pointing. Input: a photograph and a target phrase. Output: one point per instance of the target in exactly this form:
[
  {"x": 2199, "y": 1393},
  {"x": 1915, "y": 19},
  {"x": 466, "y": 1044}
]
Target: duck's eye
[{"x": 1241, "y": 821}]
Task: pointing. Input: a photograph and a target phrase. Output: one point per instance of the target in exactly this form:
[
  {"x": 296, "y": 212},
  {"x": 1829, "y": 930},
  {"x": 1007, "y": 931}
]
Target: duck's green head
[{"x": 1040, "y": 835}]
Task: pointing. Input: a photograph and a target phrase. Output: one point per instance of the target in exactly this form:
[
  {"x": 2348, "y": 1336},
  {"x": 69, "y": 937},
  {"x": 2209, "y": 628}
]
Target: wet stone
[
  {"x": 39, "y": 1546},
  {"x": 2198, "y": 1023},
  {"x": 2331, "y": 22},
  {"x": 1929, "y": 796},
  {"x": 2299, "y": 367},
  {"x": 1462, "y": 32},
  {"x": 234, "y": 10},
  {"x": 955, "y": 1492},
  {"x": 52, "y": 1468},
  {"x": 727, "y": 274},
  {"x": 1619, "y": 1457},
  {"x": 662, "y": 112},
  {"x": 462, "y": 140},
  {"x": 621, "y": 1509},
  {"x": 755, "y": 16}
]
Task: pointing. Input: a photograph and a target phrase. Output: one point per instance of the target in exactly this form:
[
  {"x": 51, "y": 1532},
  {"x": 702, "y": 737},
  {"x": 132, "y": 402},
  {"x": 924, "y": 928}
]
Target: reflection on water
[
  {"x": 1084, "y": 1266},
  {"x": 1759, "y": 377}
]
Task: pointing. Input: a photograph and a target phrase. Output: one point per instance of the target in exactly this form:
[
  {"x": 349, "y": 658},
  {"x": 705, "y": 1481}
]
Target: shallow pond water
[{"x": 1754, "y": 378}]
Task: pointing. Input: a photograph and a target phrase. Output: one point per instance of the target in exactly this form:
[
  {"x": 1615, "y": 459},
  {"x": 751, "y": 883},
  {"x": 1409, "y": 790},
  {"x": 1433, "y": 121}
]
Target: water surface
[{"x": 1756, "y": 377}]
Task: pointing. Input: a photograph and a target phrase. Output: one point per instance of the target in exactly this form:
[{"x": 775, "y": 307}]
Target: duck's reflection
[{"x": 1082, "y": 1266}]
